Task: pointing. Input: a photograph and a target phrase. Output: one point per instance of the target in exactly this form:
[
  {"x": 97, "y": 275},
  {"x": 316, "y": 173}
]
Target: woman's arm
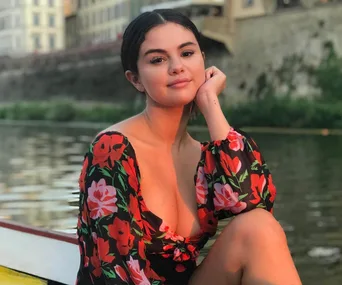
[{"x": 110, "y": 230}]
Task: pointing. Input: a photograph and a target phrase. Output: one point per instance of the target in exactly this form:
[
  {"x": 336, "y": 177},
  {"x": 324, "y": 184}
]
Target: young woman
[{"x": 151, "y": 196}]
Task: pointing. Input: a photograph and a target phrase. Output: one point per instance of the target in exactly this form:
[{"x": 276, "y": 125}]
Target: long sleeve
[
  {"x": 110, "y": 230},
  {"x": 238, "y": 177}
]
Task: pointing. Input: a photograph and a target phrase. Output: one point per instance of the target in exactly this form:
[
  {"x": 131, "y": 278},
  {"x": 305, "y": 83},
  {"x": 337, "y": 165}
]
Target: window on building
[
  {"x": 104, "y": 15},
  {"x": 36, "y": 41},
  {"x": 17, "y": 21},
  {"x": 36, "y": 19},
  {"x": 52, "y": 41},
  {"x": 51, "y": 3},
  {"x": 51, "y": 21},
  {"x": 109, "y": 14},
  {"x": 18, "y": 42},
  {"x": 93, "y": 19},
  {"x": 248, "y": 3},
  {"x": 36, "y": 2},
  {"x": 116, "y": 11}
]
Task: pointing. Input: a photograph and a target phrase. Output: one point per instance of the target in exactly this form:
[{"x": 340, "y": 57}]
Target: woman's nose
[{"x": 176, "y": 66}]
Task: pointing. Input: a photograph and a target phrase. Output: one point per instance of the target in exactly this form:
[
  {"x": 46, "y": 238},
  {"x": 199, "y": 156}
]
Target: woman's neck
[{"x": 167, "y": 126}]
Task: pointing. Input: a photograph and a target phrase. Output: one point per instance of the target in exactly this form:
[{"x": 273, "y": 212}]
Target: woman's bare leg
[{"x": 251, "y": 250}]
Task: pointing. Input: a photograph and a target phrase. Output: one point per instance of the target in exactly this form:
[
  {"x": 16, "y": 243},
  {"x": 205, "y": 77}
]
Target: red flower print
[
  {"x": 180, "y": 268},
  {"x": 151, "y": 273},
  {"x": 85, "y": 216},
  {"x": 95, "y": 262},
  {"x": 257, "y": 184},
  {"x": 209, "y": 165},
  {"x": 271, "y": 188},
  {"x": 101, "y": 199},
  {"x": 235, "y": 140},
  {"x": 257, "y": 156},
  {"x": 120, "y": 231},
  {"x": 207, "y": 220},
  {"x": 167, "y": 247},
  {"x": 106, "y": 150},
  {"x": 121, "y": 272},
  {"x": 201, "y": 186},
  {"x": 138, "y": 276},
  {"x": 141, "y": 249},
  {"x": 230, "y": 164},
  {"x": 178, "y": 255},
  {"x": 81, "y": 180},
  {"x": 227, "y": 199},
  {"x": 103, "y": 248},
  {"x": 134, "y": 210},
  {"x": 130, "y": 170}
]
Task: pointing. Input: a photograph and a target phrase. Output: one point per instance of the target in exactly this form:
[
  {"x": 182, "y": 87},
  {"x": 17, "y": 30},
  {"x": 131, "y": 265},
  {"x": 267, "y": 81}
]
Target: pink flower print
[
  {"x": 101, "y": 199},
  {"x": 235, "y": 140},
  {"x": 227, "y": 199},
  {"x": 138, "y": 276},
  {"x": 201, "y": 186},
  {"x": 170, "y": 234}
]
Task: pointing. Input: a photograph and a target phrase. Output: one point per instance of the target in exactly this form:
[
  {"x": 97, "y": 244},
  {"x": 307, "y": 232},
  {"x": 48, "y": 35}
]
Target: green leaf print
[
  {"x": 265, "y": 194},
  {"x": 123, "y": 207},
  {"x": 92, "y": 168},
  {"x": 156, "y": 282},
  {"x": 243, "y": 176},
  {"x": 242, "y": 196},
  {"x": 261, "y": 206},
  {"x": 105, "y": 172},
  {"x": 84, "y": 230},
  {"x": 110, "y": 273},
  {"x": 254, "y": 165},
  {"x": 231, "y": 181},
  {"x": 138, "y": 232},
  {"x": 122, "y": 182},
  {"x": 161, "y": 236}
]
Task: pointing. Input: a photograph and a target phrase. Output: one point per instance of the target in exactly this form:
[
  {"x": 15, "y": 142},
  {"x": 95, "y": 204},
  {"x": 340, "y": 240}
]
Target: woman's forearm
[{"x": 216, "y": 121}]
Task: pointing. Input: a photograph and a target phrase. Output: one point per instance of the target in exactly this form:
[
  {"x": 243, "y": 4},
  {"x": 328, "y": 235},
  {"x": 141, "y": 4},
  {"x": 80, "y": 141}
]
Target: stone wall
[
  {"x": 280, "y": 51},
  {"x": 276, "y": 51}
]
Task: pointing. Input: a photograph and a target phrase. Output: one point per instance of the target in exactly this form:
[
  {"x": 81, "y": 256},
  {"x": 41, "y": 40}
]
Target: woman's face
[{"x": 171, "y": 65}]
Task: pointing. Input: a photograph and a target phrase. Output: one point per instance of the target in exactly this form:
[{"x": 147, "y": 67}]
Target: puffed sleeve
[
  {"x": 110, "y": 230},
  {"x": 237, "y": 176}
]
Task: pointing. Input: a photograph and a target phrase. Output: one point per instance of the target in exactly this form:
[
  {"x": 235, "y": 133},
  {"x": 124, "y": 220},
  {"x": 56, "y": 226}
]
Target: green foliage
[
  {"x": 268, "y": 112},
  {"x": 329, "y": 75}
]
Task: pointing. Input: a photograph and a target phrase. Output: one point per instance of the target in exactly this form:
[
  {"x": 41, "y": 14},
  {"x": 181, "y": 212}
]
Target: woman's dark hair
[{"x": 136, "y": 31}]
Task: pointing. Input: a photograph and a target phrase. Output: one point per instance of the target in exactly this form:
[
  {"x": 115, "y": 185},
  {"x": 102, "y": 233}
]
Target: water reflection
[{"x": 39, "y": 169}]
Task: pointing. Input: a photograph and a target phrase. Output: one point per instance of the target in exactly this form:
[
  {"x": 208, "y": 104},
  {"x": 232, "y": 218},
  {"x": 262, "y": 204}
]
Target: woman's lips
[{"x": 180, "y": 83}]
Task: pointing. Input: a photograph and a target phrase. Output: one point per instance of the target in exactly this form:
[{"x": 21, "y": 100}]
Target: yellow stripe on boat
[{"x": 11, "y": 277}]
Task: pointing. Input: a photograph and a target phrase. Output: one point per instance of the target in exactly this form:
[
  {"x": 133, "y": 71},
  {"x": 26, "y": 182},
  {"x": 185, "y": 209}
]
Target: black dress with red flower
[{"x": 122, "y": 242}]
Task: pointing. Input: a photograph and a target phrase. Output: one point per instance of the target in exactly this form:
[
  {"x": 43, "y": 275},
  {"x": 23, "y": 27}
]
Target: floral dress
[{"x": 122, "y": 242}]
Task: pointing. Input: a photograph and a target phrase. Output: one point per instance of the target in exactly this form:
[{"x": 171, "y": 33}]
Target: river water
[{"x": 40, "y": 165}]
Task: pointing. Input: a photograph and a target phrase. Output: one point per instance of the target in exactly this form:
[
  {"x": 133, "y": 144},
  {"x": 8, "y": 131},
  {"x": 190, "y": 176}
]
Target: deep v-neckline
[{"x": 142, "y": 200}]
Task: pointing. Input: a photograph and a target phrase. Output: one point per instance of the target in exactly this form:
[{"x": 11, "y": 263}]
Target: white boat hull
[{"x": 45, "y": 254}]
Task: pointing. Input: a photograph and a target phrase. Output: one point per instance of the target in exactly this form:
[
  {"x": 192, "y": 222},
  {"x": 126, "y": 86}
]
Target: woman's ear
[{"x": 134, "y": 79}]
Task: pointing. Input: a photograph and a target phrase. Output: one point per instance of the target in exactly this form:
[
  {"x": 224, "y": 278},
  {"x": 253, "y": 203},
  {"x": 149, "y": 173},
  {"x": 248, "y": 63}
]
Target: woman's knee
[{"x": 256, "y": 226}]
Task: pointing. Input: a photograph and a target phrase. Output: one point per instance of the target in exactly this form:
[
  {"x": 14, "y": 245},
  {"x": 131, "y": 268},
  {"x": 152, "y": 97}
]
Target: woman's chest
[{"x": 168, "y": 189}]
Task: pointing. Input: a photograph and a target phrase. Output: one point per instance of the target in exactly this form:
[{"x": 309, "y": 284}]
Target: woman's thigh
[
  {"x": 251, "y": 249},
  {"x": 216, "y": 268}
]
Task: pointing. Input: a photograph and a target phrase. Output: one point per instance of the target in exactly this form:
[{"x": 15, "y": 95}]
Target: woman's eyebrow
[{"x": 158, "y": 50}]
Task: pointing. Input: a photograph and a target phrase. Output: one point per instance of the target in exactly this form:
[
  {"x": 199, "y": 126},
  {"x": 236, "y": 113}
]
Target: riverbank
[{"x": 273, "y": 113}]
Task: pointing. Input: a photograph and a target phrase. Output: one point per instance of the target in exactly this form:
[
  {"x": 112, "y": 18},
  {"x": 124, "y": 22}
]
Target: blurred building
[
  {"x": 72, "y": 35},
  {"x": 31, "y": 26},
  {"x": 102, "y": 21}
]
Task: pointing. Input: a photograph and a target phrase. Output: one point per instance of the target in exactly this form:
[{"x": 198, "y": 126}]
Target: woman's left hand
[{"x": 215, "y": 82}]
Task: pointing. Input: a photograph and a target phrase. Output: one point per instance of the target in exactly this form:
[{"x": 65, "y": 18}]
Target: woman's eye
[
  {"x": 157, "y": 60},
  {"x": 187, "y": 53}
]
